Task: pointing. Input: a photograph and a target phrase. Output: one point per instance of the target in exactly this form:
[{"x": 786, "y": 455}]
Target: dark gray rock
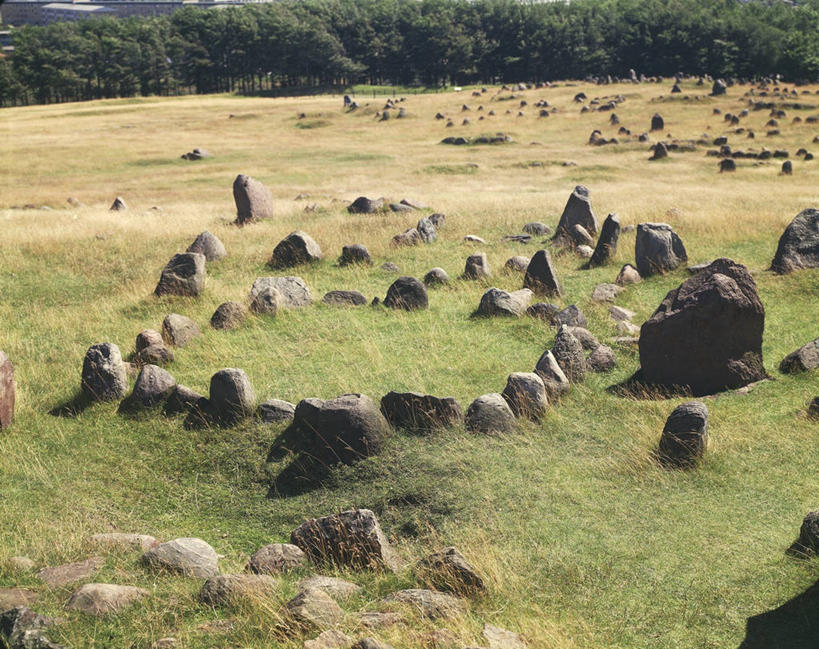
[
  {"x": 568, "y": 353},
  {"x": 295, "y": 249},
  {"x": 426, "y": 230},
  {"x": 526, "y": 395},
  {"x": 293, "y": 290},
  {"x": 179, "y": 330},
  {"x": 146, "y": 338},
  {"x": 344, "y": 298},
  {"x": 276, "y": 558},
  {"x": 118, "y": 205},
  {"x": 181, "y": 399},
  {"x": 438, "y": 220},
  {"x": 813, "y": 409},
  {"x": 209, "y": 245},
  {"x": 581, "y": 236},
  {"x": 787, "y": 168},
  {"x": 409, "y": 237},
  {"x": 807, "y": 545},
  {"x": 602, "y": 359},
  {"x": 346, "y": 429},
  {"x": 606, "y": 246},
  {"x": 497, "y": 302},
  {"x": 571, "y": 316},
  {"x": 719, "y": 87},
  {"x": 406, "y": 293},
  {"x": 153, "y": 386},
  {"x": 657, "y": 123},
  {"x": 477, "y": 266},
  {"x": 355, "y": 254},
  {"x": 275, "y": 410},
  {"x": 536, "y": 228},
  {"x": 727, "y": 165},
  {"x": 183, "y": 275},
  {"x": 154, "y": 355},
  {"x": 541, "y": 277},
  {"x": 187, "y": 556},
  {"x": 489, "y": 414},
  {"x": 228, "y": 315},
  {"x": 799, "y": 245},
  {"x": 436, "y": 277},
  {"x": 449, "y": 570},
  {"x": 585, "y": 337},
  {"x": 658, "y": 249},
  {"x": 578, "y": 211},
  {"x": 420, "y": 412},
  {"x": 685, "y": 435},
  {"x": 253, "y": 200},
  {"x": 231, "y": 396},
  {"x": 802, "y": 360},
  {"x": 103, "y": 373},
  {"x": 7, "y": 391},
  {"x": 364, "y": 205},
  {"x": 543, "y": 311},
  {"x": 552, "y": 375},
  {"x": 22, "y": 628}
]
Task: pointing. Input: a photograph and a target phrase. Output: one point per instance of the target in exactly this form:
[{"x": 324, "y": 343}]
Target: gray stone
[
  {"x": 526, "y": 395},
  {"x": 585, "y": 337},
  {"x": 390, "y": 267},
  {"x": 658, "y": 249},
  {"x": 602, "y": 359},
  {"x": 330, "y": 639},
  {"x": 103, "y": 373},
  {"x": 276, "y": 558},
  {"x": 619, "y": 313},
  {"x": 406, "y": 293},
  {"x": 502, "y": 639},
  {"x": 543, "y": 311},
  {"x": 313, "y": 610},
  {"x": 231, "y": 395},
  {"x": 228, "y": 315},
  {"x": 184, "y": 274},
  {"x": 122, "y": 541},
  {"x": 438, "y": 220},
  {"x": 344, "y": 298},
  {"x": 338, "y": 589},
  {"x": 583, "y": 251},
  {"x": 426, "y": 230},
  {"x": 182, "y": 399},
  {"x": 517, "y": 264},
  {"x": 536, "y": 228},
  {"x": 606, "y": 246},
  {"x": 209, "y": 245},
  {"x": 148, "y": 337},
  {"x": 436, "y": 277},
  {"x": 179, "y": 330},
  {"x": 719, "y": 87},
  {"x": 659, "y": 151},
  {"x": 371, "y": 643},
  {"x": 497, "y": 302},
  {"x": 69, "y": 573},
  {"x": 275, "y": 410},
  {"x": 104, "y": 599},
  {"x": 657, "y": 123},
  {"x": 22, "y": 628},
  {"x": 628, "y": 275},
  {"x": 19, "y": 564},
  {"x": 803, "y": 359},
  {"x": 364, "y": 205},
  {"x": 379, "y": 620},
  {"x": 153, "y": 386},
  {"x": 581, "y": 236},
  {"x": 118, "y": 205},
  {"x": 541, "y": 277},
  {"x": 295, "y": 249},
  {"x": 8, "y": 390},
  {"x": 685, "y": 435},
  {"x": 489, "y": 414},
  {"x": 798, "y": 246},
  {"x": 807, "y": 545},
  {"x": 293, "y": 290},
  {"x": 605, "y": 292},
  {"x": 420, "y": 412},
  {"x": 429, "y": 603},
  {"x": 266, "y": 301},
  {"x": 568, "y": 353},
  {"x": 154, "y": 355},
  {"x": 187, "y": 556},
  {"x": 227, "y": 590},
  {"x": 554, "y": 379},
  {"x": 355, "y": 254},
  {"x": 578, "y": 211},
  {"x": 571, "y": 316},
  {"x": 12, "y": 597},
  {"x": 253, "y": 200},
  {"x": 477, "y": 266}
]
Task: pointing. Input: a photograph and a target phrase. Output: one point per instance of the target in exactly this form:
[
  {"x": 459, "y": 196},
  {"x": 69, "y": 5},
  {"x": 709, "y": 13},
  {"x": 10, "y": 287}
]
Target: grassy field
[{"x": 585, "y": 540}]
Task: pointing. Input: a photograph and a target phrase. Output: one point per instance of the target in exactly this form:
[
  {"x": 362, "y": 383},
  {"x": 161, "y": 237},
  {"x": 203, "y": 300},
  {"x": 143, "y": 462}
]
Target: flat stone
[
  {"x": 276, "y": 558},
  {"x": 344, "y": 298},
  {"x": 122, "y": 541},
  {"x": 379, "y": 620},
  {"x": 314, "y": 610},
  {"x": 330, "y": 639},
  {"x": 59, "y": 576},
  {"x": 429, "y": 603},
  {"x": 275, "y": 410},
  {"x": 496, "y": 302},
  {"x": 226, "y": 590},
  {"x": 619, "y": 313},
  {"x": 449, "y": 570},
  {"x": 188, "y": 556},
  {"x": 11, "y": 597},
  {"x": 104, "y": 599},
  {"x": 420, "y": 412},
  {"x": 338, "y": 589},
  {"x": 605, "y": 292}
]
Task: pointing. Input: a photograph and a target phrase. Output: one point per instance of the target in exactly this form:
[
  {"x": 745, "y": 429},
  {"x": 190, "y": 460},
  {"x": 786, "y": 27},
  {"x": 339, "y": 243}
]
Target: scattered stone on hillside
[
  {"x": 406, "y": 293},
  {"x": 344, "y": 298},
  {"x": 104, "y": 599},
  {"x": 438, "y": 220},
  {"x": 491, "y": 414},
  {"x": 187, "y": 556},
  {"x": 585, "y": 337},
  {"x": 122, "y": 541},
  {"x": 499, "y": 638},
  {"x": 657, "y": 122},
  {"x": 11, "y": 597},
  {"x": 266, "y": 301},
  {"x": 719, "y": 87},
  {"x": 658, "y": 249},
  {"x": 398, "y": 207},
  {"x": 552, "y": 375},
  {"x": 253, "y": 200},
  {"x": 356, "y": 253},
  {"x": 578, "y": 211},
  {"x": 602, "y": 359},
  {"x": 426, "y": 230},
  {"x": 536, "y": 228},
  {"x": 364, "y": 205},
  {"x": 568, "y": 353},
  {"x": 474, "y": 238},
  {"x": 293, "y": 290},
  {"x": 526, "y": 395},
  {"x": 7, "y": 391},
  {"x": 22, "y": 628},
  {"x": 350, "y": 539},
  {"x": 295, "y": 249},
  {"x": 231, "y": 395},
  {"x": 179, "y": 330},
  {"x": 313, "y": 610},
  {"x": 605, "y": 292},
  {"x": 378, "y": 619},
  {"x": 182, "y": 399},
  {"x": 706, "y": 335},
  {"x": 330, "y": 639},
  {"x": 103, "y": 373},
  {"x": 497, "y": 302},
  {"x": 541, "y": 277},
  {"x": 518, "y": 264},
  {"x": 685, "y": 435},
  {"x": 420, "y": 412},
  {"x": 571, "y": 316},
  {"x": 19, "y": 564},
  {"x": 59, "y": 576},
  {"x": 619, "y": 313},
  {"x": 628, "y": 275},
  {"x": 787, "y": 168},
  {"x": 184, "y": 274},
  {"x": 429, "y": 603},
  {"x": 226, "y": 590},
  {"x": 583, "y": 251},
  {"x": 696, "y": 268},
  {"x": 370, "y": 643},
  {"x": 807, "y": 545},
  {"x": 195, "y": 154},
  {"x": 275, "y": 410},
  {"x": 799, "y": 244},
  {"x": 477, "y": 266},
  {"x": 436, "y": 277},
  {"x": 813, "y": 409},
  {"x": 153, "y": 386},
  {"x": 607, "y": 242},
  {"x": 148, "y": 337},
  {"x": 118, "y": 205},
  {"x": 727, "y": 165},
  {"x": 228, "y": 315},
  {"x": 154, "y": 355},
  {"x": 409, "y": 237},
  {"x": 209, "y": 245},
  {"x": 627, "y": 328},
  {"x": 276, "y": 558},
  {"x": 543, "y": 311},
  {"x": 338, "y": 589},
  {"x": 390, "y": 267},
  {"x": 803, "y": 359}
]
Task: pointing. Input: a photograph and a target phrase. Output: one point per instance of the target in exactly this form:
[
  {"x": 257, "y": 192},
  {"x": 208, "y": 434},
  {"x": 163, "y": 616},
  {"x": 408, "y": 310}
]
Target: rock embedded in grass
[
  {"x": 436, "y": 277},
  {"x": 517, "y": 264},
  {"x": 449, "y": 570},
  {"x": 498, "y": 638},
  {"x": 122, "y": 541},
  {"x": 804, "y": 359},
  {"x": 658, "y": 249},
  {"x": 406, "y": 293},
  {"x": 409, "y": 237},
  {"x": 606, "y": 247},
  {"x": 313, "y": 610},
  {"x": 554, "y": 379},
  {"x": 22, "y": 628},
  {"x": 231, "y": 396},
  {"x": 58, "y": 576},
  {"x": 568, "y": 353},
  {"x": 227, "y": 590},
  {"x": 628, "y": 275},
  {"x": 490, "y": 414},
  {"x": 344, "y": 298},
  {"x": 178, "y": 330},
  {"x": 253, "y": 200},
  {"x": 429, "y": 603},
  {"x": 275, "y": 410},
  {"x": 209, "y": 245},
  {"x": 420, "y": 412},
  {"x": 181, "y": 399},
  {"x": 477, "y": 266},
  {"x": 154, "y": 355},
  {"x": 605, "y": 292},
  {"x": 578, "y": 211},
  {"x": 118, "y": 205},
  {"x": 364, "y": 205},
  {"x": 685, "y": 435},
  {"x": 426, "y": 230},
  {"x": 355, "y": 254},
  {"x": 571, "y": 316},
  {"x": 294, "y": 291},
  {"x": 496, "y": 302},
  {"x": 526, "y": 395},
  {"x": 183, "y": 275},
  {"x": 187, "y": 556},
  {"x": 536, "y": 228},
  {"x": 276, "y": 558},
  {"x": 103, "y": 373},
  {"x": 153, "y": 386},
  {"x": 798, "y": 246},
  {"x": 228, "y": 315},
  {"x": 541, "y": 276},
  {"x": 601, "y": 359},
  {"x": 330, "y": 639},
  {"x": 7, "y": 391},
  {"x": 148, "y": 337},
  {"x": 104, "y": 599},
  {"x": 295, "y": 249}
]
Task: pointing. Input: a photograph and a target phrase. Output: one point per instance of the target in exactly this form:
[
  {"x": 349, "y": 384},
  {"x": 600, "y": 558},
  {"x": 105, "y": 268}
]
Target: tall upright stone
[
  {"x": 184, "y": 274},
  {"x": 7, "y": 391},
  {"x": 103, "y": 373},
  {"x": 606, "y": 246},
  {"x": 253, "y": 200},
  {"x": 541, "y": 277},
  {"x": 799, "y": 244},
  {"x": 578, "y": 211},
  {"x": 658, "y": 249}
]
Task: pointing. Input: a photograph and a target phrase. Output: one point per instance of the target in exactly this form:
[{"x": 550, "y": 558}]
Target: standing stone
[
  {"x": 179, "y": 330},
  {"x": 228, "y": 315},
  {"x": 803, "y": 359},
  {"x": 420, "y": 412},
  {"x": 118, "y": 205},
  {"x": 657, "y": 123},
  {"x": 498, "y": 302},
  {"x": 293, "y": 290},
  {"x": 296, "y": 248},
  {"x": 406, "y": 293},
  {"x": 183, "y": 275},
  {"x": 578, "y": 211},
  {"x": 727, "y": 165},
  {"x": 541, "y": 277},
  {"x": 628, "y": 275},
  {"x": 147, "y": 338},
  {"x": 449, "y": 570},
  {"x": 276, "y": 558},
  {"x": 430, "y": 603},
  {"x": 787, "y": 168},
  {"x": 153, "y": 386},
  {"x": 103, "y": 373},
  {"x": 799, "y": 245},
  {"x": 706, "y": 335},
  {"x": 7, "y": 391},
  {"x": 568, "y": 353},
  {"x": 659, "y": 151},
  {"x": 188, "y": 556},
  {"x": 253, "y": 200},
  {"x": 489, "y": 414},
  {"x": 426, "y": 230},
  {"x": 719, "y": 87},
  {"x": 355, "y": 254},
  {"x": 231, "y": 395},
  {"x": 606, "y": 246},
  {"x": 685, "y": 435},
  {"x": 554, "y": 379},
  {"x": 104, "y": 599},
  {"x": 658, "y": 249},
  {"x": 526, "y": 395},
  {"x": 436, "y": 277},
  {"x": 477, "y": 266},
  {"x": 209, "y": 245}
]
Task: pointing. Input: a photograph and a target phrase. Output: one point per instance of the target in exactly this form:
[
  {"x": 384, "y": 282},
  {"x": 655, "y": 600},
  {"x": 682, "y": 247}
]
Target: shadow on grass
[
  {"x": 73, "y": 407},
  {"x": 794, "y": 625}
]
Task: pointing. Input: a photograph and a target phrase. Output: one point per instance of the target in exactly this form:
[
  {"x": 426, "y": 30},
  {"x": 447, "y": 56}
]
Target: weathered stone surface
[
  {"x": 103, "y": 373},
  {"x": 296, "y": 248},
  {"x": 658, "y": 249},
  {"x": 541, "y": 277},
  {"x": 685, "y": 435},
  {"x": 719, "y": 87},
  {"x": 706, "y": 335},
  {"x": 606, "y": 246},
  {"x": 628, "y": 275},
  {"x": 798, "y": 246},
  {"x": 605, "y": 292},
  {"x": 182, "y": 399},
  {"x": 490, "y": 414},
  {"x": 571, "y": 316},
  {"x": 11, "y": 597},
  {"x": 104, "y": 599},
  {"x": 209, "y": 245},
  {"x": 584, "y": 251},
  {"x": 517, "y": 264},
  {"x": 526, "y": 395},
  {"x": 477, "y": 266},
  {"x": 474, "y": 238},
  {"x": 266, "y": 301},
  {"x": 406, "y": 293},
  {"x": 344, "y": 298},
  {"x": 330, "y": 639},
  {"x": 356, "y": 253},
  {"x": 619, "y": 313},
  {"x": 22, "y": 628},
  {"x": 19, "y": 564},
  {"x": 184, "y": 274},
  {"x": 497, "y": 302},
  {"x": 293, "y": 290},
  {"x": 122, "y": 541},
  {"x": 350, "y": 539},
  {"x": 543, "y": 311},
  {"x": 147, "y": 338},
  {"x": 118, "y": 205},
  {"x": 231, "y": 395},
  {"x": 7, "y": 391},
  {"x": 371, "y": 643},
  {"x": 659, "y": 151},
  {"x": 338, "y": 589},
  {"x": 313, "y": 610},
  {"x": 436, "y": 277},
  {"x": 364, "y": 205},
  {"x": 228, "y": 315},
  {"x": 657, "y": 123},
  {"x": 188, "y": 556},
  {"x": 59, "y": 576},
  {"x": 536, "y": 228},
  {"x": 276, "y": 410},
  {"x": 581, "y": 236},
  {"x": 429, "y": 603},
  {"x": 602, "y": 359},
  {"x": 498, "y": 638},
  {"x": 802, "y": 360},
  {"x": 449, "y": 570},
  {"x": 153, "y": 355},
  {"x": 378, "y": 619},
  {"x": 253, "y": 200},
  {"x": 420, "y": 412},
  {"x": 152, "y": 387},
  {"x": 426, "y": 230},
  {"x": 554, "y": 379},
  {"x": 438, "y": 220},
  {"x": 808, "y": 542},
  {"x": 568, "y": 353},
  {"x": 179, "y": 330},
  {"x": 225, "y": 590},
  {"x": 578, "y": 211},
  {"x": 276, "y": 558}
]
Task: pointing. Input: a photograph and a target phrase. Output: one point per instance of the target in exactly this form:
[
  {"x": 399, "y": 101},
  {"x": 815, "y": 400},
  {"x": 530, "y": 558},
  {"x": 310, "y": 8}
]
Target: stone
[
  {"x": 543, "y": 311},
  {"x": 477, "y": 266},
  {"x": 184, "y": 274},
  {"x": 787, "y": 168},
  {"x": 59, "y": 576},
  {"x": 187, "y": 556},
  {"x": 727, "y": 165},
  {"x": 295, "y": 249},
  {"x": 338, "y": 589},
  {"x": 414, "y": 204},
  {"x": 426, "y": 230},
  {"x": 706, "y": 335},
  {"x": 344, "y": 298},
  {"x": 12, "y": 597},
  {"x": 685, "y": 435},
  {"x": 293, "y": 290},
  {"x": 195, "y": 154},
  {"x": 802, "y": 360},
  {"x": 371, "y": 643},
  {"x": 420, "y": 412},
  {"x": 253, "y": 200},
  {"x": 147, "y": 338},
  {"x": 436, "y": 277},
  {"x": 7, "y": 391},
  {"x": 350, "y": 539},
  {"x": 19, "y": 565},
  {"x": 583, "y": 251},
  {"x": 103, "y": 373},
  {"x": 499, "y": 638},
  {"x": 581, "y": 236},
  {"x": 275, "y": 410},
  {"x": 182, "y": 399},
  {"x": 276, "y": 558},
  {"x": 209, "y": 245},
  {"x": 313, "y": 610},
  {"x": 719, "y": 87},
  {"x": 606, "y": 246},
  {"x": 658, "y": 249},
  {"x": 578, "y": 211},
  {"x": 226, "y": 590},
  {"x": 657, "y": 122},
  {"x": 438, "y": 220},
  {"x": 429, "y": 603},
  {"x": 179, "y": 330},
  {"x": 536, "y": 228},
  {"x": 231, "y": 396},
  {"x": 517, "y": 264},
  {"x": 228, "y": 315},
  {"x": 489, "y": 414},
  {"x": 619, "y": 313},
  {"x": 807, "y": 545},
  {"x": 22, "y": 628},
  {"x": 153, "y": 386},
  {"x": 526, "y": 395},
  {"x": 123, "y": 541},
  {"x": 585, "y": 337},
  {"x": 364, "y": 205},
  {"x": 571, "y": 316},
  {"x": 104, "y": 599},
  {"x": 627, "y": 328},
  {"x": 552, "y": 375},
  {"x": 605, "y": 292},
  {"x": 798, "y": 246},
  {"x": 355, "y": 254},
  {"x": 118, "y": 205},
  {"x": 266, "y": 301},
  {"x": 330, "y": 639},
  {"x": 628, "y": 275},
  {"x": 497, "y": 302},
  {"x": 602, "y": 359},
  {"x": 568, "y": 353},
  {"x": 406, "y": 293},
  {"x": 474, "y": 238},
  {"x": 154, "y": 355},
  {"x": 541, "y": 277},
  {"x": 390, "y": 267},
  {"x": 379, "y": 620}
]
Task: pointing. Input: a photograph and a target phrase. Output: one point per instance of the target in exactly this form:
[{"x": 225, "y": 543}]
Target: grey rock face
[
  {"x": 477, "y": 266},
  {"x": 799, "y": 244},
  {"x": 409, "y": 237},
  {"x": 420, "y": 412},
  {"x": 543, "y": 311},
  {"x": 659, "y": 151},
  {"x": 426, "y": 230},
  {"x": 526, "y": 395},
  {"x": 103, "y": 373},
  {"x": 293, "y": 290},
  {"x": 104, "y": 599},
  {"x": 148, "y": 337},
  {"x": 606, "y": 246},
  {"x": 554, "y": 379},
  {"x": 118, "y": 205},
  {"x": 253, "y": 200},
  {"x": 314, "y": 610},
  {"x": 296, "y": 248},
  {"x": 345, "y": 429},
  {"x": 59, "y": 576},
  {"x": 188, "y": 556},
  {"x": 602, "y": 359},
  {"x": 209, "y": 245},
  {"x": 802, "y": 360},
  {"x": 517, "y": 264},
  {"x": 658, "y": 249},
  {"x": 276, "y": 558},
  {"x": 355, "y": 254},
  {"x": 685, "y": 435},
  {"x": 344, "y": 298},
  {"x": 449, "y": 570},
  {"x": 338, "y": 589},
  {"x": 152, "y": 387},
  {"x": 578, "y": 211},
  {"x": 406, "y": 293},
  {"x": 228, "y": 315},
  {"x": 226, "y": 590},
  {"x": 182, "y": 399},
  {"x": 364, "y": 205},
  {"x": 231, "y": 395},
  {"x": 605, "y": 292},
  {"x": 22, "y": 628},
  {"x": 179, "y": 330},
  {"x": 536, "y": 228},
  {"x": 183, "y": 275},
  {"x": 628, "y": 275},
  {"x": 657, "y": 122},
  {"x": 266, "y": 301},
  {"x": 571, "y": 316},
  {"x": 436, "y": 277},
  {"x": 719, "y": 87},
  {"x": 568, "y": 353},
  {"x": 154, "y": 355},
  {"x": 541, "y": 277},
  {"x": 497, "y": 302},
  {"x": 276, "y": 410},
  {"x": 489, "y": 414},
  {"x": 7, "y": 391}
]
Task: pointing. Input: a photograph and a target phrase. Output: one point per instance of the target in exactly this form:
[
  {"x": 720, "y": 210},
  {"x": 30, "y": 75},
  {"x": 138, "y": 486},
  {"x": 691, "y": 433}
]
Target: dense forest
[{"x": 273, "y": 47}]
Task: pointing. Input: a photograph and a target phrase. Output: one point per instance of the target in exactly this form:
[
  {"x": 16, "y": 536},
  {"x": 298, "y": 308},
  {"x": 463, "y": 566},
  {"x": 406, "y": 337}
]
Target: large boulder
[
  {"x": 449, "y": 570},
  {"x": 498, "y": 302},
  {"x": 526, "y": 395},
  {"x": 803, "y": 359},
  {"x": 293, "y": 290},
  {"x": 253, "y": 200},
  {"x": 606, "y": 246},
  {"x": 103, "y": 373},
  {"x": 153, "y": 386},
  {"x": 568, "y": 353},
  {"x": 706, "y": 335},
  {"x": 104, "y": 599},
  {"x": 276, "y": 558},
  {"x": 188, "y": 556},
  {"x": 296, "y": 248},
  {"x": 541, "y": 276},
  {"x": 421, "y": 412},
  {"x": 407, "y": 293},
  {"x": 184, "y": 274},
  {"x": 491, "y": 414},
  {"x": 685, "y": 435},
  {"x": 578, "y": 211},
  {"x": 209, "y": 245},
  {"x": 658, "y": 249},
  {"x": 799, "y": 245},
  {"x": 349, "y": 539},
  {"x": 7, "y": 391},
  {"x": 231, "y": 396}
]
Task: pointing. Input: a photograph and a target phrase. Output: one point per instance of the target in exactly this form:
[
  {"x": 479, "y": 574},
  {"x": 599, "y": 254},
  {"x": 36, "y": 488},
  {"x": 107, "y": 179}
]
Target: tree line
[{"x": 290, "y": 44}]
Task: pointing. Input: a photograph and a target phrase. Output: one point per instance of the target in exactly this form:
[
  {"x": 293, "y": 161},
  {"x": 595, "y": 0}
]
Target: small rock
[
  {"x": 104, "y": 599},
  {"x": 103, "y": 373},
  {"x": 568, "y": 353},
  {"x": 602, "y": 359},
  {"x": 11, "y": 597},
  {"x": 477, "y": 266},
  {"x": 231, "y": 395},
  {"x": 276, "y": 558},
  {"x": 314, "y": 610},
  {"x": 436, "y": 277},
  {"x": 807, "y": 545},
  {"x": 253, "y": 200},
  {"x": 390, "y": 267},
  {"x": 426, "y": 230},
  {"x": 148, "y": 337},
  {"x": 489, "y": 414},
  {"x": 188, "y": 556},
  {"x": 536, "y": 228},
  {"x": 497, "y": 302},
  {"x": 355, "y": 254},
  {"x": 19, "y": 564},
  {"x": 266, "y": 301},
  {"x": 605, "y": 292},
  {"x": 118, "y": 205},
  {"x": 449, "y": 570},
  {"x": 517, "y": 264},
  {"x": 338, "y": 589},
  {"x": 685, "y": 435},
  {"x": 153, "y": 386},
  {"x": 59, "y": 576},
  {"x": 364, "y": 205},
  {"x": 626, "y": 328},
  {"x": 628, "y": 275},
  {"x": 182, "y": 399},
  {"x": 474, "y": 238},
  {"x": 344, "y": 298},
  {"x": 420, "y": 412},
  {"x": 406, "y": 293},
  {"x": 121, "y": 541},
  {"x": 429, "y": 603},
  {"x": 226, "y": 590},
  {"x": 571, "y": 316},
  {"x": 154, "y": 355},
  {"x": 295, "y": 249},
  {"x": 502, "y": 639},
  {"x": 184, "y": 275},
  {"x": 209, "y": 245},
  {"x": 293, "y": 290},
  {"x": 179, "y": 330},
  {"x": 543, "y": 311},
  {"x": 378, "y": 620},
  {"x": 330, "y": 639},
  {"x": 228, "y": 315},
  {"x": 275, "y": 410}
]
